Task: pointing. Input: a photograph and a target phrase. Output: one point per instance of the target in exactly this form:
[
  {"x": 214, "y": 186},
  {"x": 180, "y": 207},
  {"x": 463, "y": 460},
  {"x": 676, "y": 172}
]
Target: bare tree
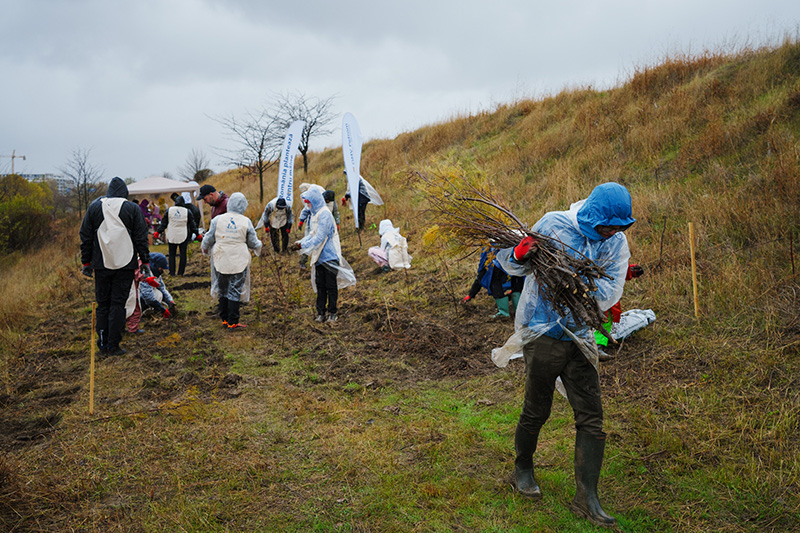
[
  {"x": 84, "y": 179},
  {"x": 196, "y": 167},
  {"x": 259, "y": 142},
  {"x": 316, "y": 112}
]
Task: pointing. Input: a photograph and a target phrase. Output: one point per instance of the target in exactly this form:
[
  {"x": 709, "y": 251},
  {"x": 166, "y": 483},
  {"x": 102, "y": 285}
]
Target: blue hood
[
  {"x": 316, "y": 199},
  {"x": 608, "y": 205}
]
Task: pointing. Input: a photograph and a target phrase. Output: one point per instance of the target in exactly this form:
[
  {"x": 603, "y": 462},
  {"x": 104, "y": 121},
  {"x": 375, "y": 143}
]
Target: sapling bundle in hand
[{"x": 469, "y": 216}]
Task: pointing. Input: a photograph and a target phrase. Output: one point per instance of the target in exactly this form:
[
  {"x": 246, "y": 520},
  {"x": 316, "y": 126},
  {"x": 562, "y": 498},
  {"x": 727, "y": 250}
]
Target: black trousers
[
  {"x": 327, "y": 288},
  {"x": 279, "y": 238},
  {"x": 111, "y": 290},
  {"x": 545, "y": 360},
  {"x": 230, "y": 290},
  {"x": 362, "y": 210},
  {"x": 182, "y": 264}
]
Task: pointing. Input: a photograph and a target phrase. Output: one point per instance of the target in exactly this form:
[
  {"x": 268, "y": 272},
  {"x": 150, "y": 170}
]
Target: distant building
[{"x": 62, "y": 183}]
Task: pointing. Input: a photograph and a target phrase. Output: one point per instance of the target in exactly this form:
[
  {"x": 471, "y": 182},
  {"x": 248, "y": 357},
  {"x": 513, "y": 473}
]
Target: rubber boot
[
  {"x": 502, "y": 307},
  {"x": 515, "y": 300},
  {"x": 589, "y": 451},
  {"x": 524, "y": 480},
  {"x": 233, "y": 314}
]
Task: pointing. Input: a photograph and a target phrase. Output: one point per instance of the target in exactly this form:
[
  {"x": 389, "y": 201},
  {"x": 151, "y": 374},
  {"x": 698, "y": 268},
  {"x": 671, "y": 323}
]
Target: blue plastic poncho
[
  {"x": 322, "y": 243},
  {"x": 608, "y": 205}
]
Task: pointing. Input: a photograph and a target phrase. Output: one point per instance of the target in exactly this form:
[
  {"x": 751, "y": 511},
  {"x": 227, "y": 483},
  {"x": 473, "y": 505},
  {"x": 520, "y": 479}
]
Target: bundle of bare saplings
[{"x": 468, "y": 215}]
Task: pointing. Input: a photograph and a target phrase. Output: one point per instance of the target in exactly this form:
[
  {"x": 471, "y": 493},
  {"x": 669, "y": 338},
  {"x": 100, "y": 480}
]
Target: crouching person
[
  {"x": 153, "y": 293},
  {"x": 329, "y": 270},
  {"x": 229, "y": 239},
  {"x": 393, "y": 251}
]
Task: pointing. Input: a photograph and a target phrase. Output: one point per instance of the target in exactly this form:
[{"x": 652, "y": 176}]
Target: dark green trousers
[{"x": 545, "y": 360}]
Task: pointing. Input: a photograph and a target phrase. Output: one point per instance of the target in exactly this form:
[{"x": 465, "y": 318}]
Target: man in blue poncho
[{"x": 552, "y": 346}]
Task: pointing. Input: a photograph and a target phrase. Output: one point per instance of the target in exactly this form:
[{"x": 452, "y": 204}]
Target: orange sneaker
[{"x": 237, "y": 325}]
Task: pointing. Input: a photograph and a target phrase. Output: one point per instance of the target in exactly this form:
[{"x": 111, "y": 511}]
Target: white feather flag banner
[
  {"x": 288, "y": 153},
  {"x": 351, "y": 150}
]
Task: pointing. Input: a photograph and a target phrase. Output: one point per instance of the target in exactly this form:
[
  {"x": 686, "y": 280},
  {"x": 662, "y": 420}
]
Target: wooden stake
[
  {"x": 91, "y": 360},
  {"x": 694, "y": 271}
]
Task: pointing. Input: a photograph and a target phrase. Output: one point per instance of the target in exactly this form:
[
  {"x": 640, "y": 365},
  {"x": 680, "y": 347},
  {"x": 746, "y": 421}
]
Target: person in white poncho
[
  {"x": 393, "y": 251},
  {"x": 229, "y": 239},
  {"x": 329, "y": 269}
]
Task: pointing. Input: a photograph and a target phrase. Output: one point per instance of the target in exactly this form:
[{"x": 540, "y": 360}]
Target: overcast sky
[{"x": 136, "y": 82}]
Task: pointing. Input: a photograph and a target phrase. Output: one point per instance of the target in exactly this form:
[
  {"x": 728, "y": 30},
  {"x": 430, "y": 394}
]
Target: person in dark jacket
[
  {"x": 277, "y": 221},
  {"x": 218, "y": 200},
  {"x": 113, "y": 240},
  {"x": 193, "y": 209},
  {"x": 497, "y": 283},
  {"x": 180, "y": 229}
]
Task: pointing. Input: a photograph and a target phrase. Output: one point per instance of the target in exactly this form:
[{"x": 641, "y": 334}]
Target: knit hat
[{"x": 281, "y": 203}]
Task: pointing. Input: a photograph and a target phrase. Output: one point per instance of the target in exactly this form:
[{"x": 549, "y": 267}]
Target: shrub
[{"x": 24, "y": 213}]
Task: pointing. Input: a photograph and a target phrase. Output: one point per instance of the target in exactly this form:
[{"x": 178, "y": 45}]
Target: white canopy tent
[{"x": 159, "y": 185}]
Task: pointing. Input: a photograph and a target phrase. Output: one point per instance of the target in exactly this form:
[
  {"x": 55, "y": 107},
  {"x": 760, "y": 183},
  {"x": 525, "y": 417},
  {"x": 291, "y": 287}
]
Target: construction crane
[{"x": 14, "y": 156}]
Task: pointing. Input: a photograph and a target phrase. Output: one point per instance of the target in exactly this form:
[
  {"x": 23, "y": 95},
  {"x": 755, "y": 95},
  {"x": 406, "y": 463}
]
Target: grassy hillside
[{"x": 395, "y": 419}]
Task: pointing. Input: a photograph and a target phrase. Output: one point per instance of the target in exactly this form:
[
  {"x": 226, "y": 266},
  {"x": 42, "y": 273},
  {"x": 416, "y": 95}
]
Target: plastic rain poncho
[
  {"x": 609, "y": 204},
  {"x": 365, "y": 188},
  {"x": 322, "y": 243},
  {"x": 394, "y": 245},
  {"x": 228, "y": 241}
]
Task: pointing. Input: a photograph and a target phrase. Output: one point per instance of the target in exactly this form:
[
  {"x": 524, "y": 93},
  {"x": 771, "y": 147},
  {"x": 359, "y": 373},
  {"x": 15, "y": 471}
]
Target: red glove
[
  {"x": 634, "y": 271},
  {"x": 166, "y": 313},
  {"x": 199, "y": 238},
  {"x": 616, "y": 312},
  {"x": 288, "y": 230},
  {"x": 152, "y": 281},
  {"x": 337, "y": 227},
  {"x": 266, "y": 229},
  {"x": 344, "y": 201},
  {"x": 525, "y": 248},
  {"x": 465, "y": 299},
  {"x": 155, "y": 235},
  {"x": 300, "y": 224}
]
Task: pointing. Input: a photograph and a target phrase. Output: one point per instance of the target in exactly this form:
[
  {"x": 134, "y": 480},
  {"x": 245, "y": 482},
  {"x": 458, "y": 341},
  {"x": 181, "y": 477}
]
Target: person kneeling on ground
[
  {"x": 393, "y": 251},
  {"x": 497, "y": 282},
  {"x": 229, "y": 239},
  {"x": 153, "y": 293}
]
